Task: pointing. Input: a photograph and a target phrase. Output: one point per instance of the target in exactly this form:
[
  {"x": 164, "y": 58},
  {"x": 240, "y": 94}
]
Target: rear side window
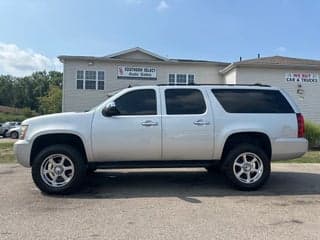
[
  {"x": 139, "y": 102},
  {"x": 252, "y": 101},
  {"x": 184, "y": 101}
]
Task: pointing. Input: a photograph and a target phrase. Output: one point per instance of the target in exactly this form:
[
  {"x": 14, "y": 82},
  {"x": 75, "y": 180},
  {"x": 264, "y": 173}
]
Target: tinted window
[
  {"x": 139, "y": 102},
  {"x": 184, "y": 101},
  {"x": 252, "y": 101}
]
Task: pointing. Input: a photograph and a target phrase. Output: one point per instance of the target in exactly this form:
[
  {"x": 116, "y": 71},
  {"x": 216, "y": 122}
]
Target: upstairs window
[
  {"x": 80, "y": 78},
  {"x": 93, "y": 80},
  {"x": 181, "y": 79}
]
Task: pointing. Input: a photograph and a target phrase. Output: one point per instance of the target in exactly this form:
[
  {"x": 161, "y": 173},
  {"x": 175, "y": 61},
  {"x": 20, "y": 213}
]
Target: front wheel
[
  {"x": 247, "y": 167},
  {"x": 58, "y": 169}
]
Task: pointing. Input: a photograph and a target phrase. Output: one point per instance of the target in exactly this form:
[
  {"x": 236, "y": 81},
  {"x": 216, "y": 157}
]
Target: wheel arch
[
  {"x": 48, "y": 139},
  {"x": 256, "y": 138}
]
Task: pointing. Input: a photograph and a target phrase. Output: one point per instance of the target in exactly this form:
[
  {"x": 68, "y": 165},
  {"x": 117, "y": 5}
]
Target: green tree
[
  {"x": 52, "y": 102},
  {"x": 6, "y": 90}
]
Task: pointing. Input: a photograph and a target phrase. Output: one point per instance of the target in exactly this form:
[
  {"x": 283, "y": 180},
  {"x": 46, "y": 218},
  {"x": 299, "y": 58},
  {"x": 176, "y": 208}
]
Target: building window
[
  {"x": 80, "y": 79},
  {"x": 90, "y": 80},
  {"x": 181, "y": 79},
  {"x": 190, "y": 79},
  {"x": 172, "y": 79},
  {"x": 100, "y": 80}
]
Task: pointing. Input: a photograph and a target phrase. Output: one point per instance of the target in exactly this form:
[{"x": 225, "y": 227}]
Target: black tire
[
  {"x": 79, "y": 169},
  {"x": 228, "y": 167},
  {"x": 5, "y": 134},
  {"x": 14, "y": 135}
]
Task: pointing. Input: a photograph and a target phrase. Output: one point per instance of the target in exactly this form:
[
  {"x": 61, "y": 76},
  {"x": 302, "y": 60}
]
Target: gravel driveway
[{"x": 163, "y": 204}]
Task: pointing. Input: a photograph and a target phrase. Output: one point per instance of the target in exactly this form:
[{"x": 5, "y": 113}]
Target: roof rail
[{"x": 213, "y": 84}]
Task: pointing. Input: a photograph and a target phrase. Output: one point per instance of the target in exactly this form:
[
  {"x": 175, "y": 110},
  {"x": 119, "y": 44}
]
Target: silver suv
[{"x": 237, "y": 129}]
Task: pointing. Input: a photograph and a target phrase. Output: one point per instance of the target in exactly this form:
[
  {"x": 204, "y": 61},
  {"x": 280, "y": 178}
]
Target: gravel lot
[{"x": 163, "y": 204}]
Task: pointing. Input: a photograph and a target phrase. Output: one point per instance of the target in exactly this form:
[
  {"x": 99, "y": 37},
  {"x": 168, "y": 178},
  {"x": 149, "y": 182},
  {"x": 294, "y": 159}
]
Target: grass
[
  {"x": 309, "y": 157},
  {"x": 7, "y": 156},
  {"x": 4, "y": 117},
  {"x": 6, "y": 153}
]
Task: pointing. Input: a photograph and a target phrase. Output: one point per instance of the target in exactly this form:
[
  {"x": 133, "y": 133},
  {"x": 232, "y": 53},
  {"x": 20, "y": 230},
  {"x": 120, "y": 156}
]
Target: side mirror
[{"x": 110, "y": 110}]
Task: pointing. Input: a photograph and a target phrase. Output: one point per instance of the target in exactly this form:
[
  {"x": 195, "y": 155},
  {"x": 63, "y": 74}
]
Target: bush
[{"x": 312, "y": 133}]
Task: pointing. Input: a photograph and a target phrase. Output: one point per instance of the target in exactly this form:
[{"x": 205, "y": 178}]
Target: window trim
[
  {"x": 188, "y": 114},
  {"x": 96, "y": 79},
  {"x": 181, "y": 84}
]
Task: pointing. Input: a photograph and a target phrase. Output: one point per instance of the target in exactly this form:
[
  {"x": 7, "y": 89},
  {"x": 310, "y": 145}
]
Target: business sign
[
  {"x": 302, "y": 77},
  {"x": 145, "y": 73}
]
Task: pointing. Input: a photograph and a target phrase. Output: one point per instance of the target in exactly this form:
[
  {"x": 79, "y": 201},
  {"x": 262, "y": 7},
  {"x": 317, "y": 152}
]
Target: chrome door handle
[
  {"x": 149, "y": 123},
  {"x": 201, "y": 122}
]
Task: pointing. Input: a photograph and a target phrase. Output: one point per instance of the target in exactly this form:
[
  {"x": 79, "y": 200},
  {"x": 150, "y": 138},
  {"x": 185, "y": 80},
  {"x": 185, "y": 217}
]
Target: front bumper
[
  {"x": 289, "y": 148},
  {"x": 22, "y": 150}
]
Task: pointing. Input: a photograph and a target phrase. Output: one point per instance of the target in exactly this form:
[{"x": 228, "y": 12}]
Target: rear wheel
[
  {"x": 58, "y": 169},
  {"x": 247, "y": 167}
]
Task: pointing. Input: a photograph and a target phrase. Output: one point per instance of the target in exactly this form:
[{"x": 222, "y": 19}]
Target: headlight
[{"x": 23, "y": 131}]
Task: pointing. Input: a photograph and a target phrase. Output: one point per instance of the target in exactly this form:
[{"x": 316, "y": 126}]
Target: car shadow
[{"x": 188, "y": 185}]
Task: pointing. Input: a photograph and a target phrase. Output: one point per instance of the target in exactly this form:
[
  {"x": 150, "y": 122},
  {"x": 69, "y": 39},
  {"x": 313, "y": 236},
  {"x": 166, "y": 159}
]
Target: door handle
[
  {"x": 201, "y": 122},
  {"x": 149, "y": 123}
]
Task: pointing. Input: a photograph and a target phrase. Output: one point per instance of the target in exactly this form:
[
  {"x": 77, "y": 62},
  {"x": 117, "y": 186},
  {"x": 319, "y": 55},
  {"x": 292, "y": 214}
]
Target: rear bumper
[
  {"x": 22, "y": 150},
  {"x": 289, "y": 148}
]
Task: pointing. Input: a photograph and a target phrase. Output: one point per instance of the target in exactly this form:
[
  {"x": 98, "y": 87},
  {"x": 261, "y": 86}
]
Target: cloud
[
  {"x": 281, "y": 49},
  {"x": 21, "y": 62},
  {"x": 163, "y": 5}
]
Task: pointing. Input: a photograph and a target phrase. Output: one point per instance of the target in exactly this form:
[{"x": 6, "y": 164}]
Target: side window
[
  {"x": 184, "y": 101},
  {"x": 252, "y": 101},
  {"x": 138, "y": 102}
]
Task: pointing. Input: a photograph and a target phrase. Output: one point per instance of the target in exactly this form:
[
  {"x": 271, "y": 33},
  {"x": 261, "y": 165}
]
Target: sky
[{"x": 34, "y": 32}]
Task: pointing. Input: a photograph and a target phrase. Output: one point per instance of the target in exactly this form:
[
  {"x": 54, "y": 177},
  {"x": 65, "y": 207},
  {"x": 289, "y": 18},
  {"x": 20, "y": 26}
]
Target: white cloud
[
  {"x": 281, "y": 49},
  {"x": 20, "y": 62},
  {"x": 163, "y": 5}
]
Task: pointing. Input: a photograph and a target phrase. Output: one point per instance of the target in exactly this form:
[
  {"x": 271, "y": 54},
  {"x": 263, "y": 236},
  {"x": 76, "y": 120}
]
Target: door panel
[
  {"x": 187, "y": 136},
  {"x": 128, "y": 137}
]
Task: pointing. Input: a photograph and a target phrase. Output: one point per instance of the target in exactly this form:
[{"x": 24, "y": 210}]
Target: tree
[
  {"x": 26, "y": 92},
  {"x": 51, "y": 103}
]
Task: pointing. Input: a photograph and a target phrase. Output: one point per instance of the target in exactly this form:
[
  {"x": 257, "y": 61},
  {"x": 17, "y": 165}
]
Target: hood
[{"x": 68, "y": 117}]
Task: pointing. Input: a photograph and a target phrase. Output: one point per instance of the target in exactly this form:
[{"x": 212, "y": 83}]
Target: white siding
[
  {"x": 80, "y": 100},
  {"x": 309, "y": 104},
  {"x": 231, "y": 77}
]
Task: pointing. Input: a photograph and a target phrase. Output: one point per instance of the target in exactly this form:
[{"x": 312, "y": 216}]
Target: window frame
[
  {"x": 165, "y": 110},
  {"x": 96, "y": 79},
  {"x": 175, "y": 83}
]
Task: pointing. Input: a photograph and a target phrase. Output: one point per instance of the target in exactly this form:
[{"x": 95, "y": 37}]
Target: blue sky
[{"x": 34, "y": 32}]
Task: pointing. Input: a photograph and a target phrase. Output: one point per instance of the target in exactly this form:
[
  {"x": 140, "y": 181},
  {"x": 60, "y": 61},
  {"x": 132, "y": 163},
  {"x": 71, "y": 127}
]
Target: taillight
[{"x": 300, "y": 121}]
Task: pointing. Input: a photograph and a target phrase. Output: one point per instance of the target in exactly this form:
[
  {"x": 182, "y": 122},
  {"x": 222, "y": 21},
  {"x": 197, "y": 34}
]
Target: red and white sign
[
  {"x": 145, "y": 73},
  {"x": 302, "y": 77}
]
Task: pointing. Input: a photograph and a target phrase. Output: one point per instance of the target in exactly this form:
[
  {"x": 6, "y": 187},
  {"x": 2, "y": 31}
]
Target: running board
[{"x": 153, "y": 164}]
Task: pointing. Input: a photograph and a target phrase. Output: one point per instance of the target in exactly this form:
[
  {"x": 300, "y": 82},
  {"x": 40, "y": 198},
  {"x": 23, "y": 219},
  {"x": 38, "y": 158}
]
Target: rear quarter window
[{"x": 252, "y": 101}]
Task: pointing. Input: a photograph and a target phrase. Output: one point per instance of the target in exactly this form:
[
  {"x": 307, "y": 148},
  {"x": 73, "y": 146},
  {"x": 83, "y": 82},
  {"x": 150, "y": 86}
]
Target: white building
[{"x": 87, "y": 81}]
